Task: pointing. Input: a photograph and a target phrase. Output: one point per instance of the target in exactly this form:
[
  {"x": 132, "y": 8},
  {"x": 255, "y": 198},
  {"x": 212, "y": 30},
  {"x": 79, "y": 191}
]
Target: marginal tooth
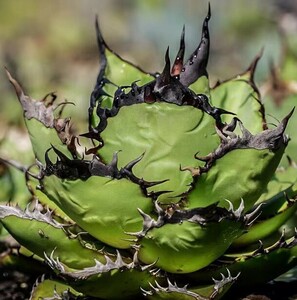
[
  {"x": 143, "y": 268},
  {"x": 216, "y": 282},
  {"x": 119, "y": 261},
  {"x": 238, "y": 212},
  {"x": 98, "y": 264},
  {"x": 231, "y": 126},
  {"x": 281, "y": 242},
  {"x": 158, "y": 208},
  {"x": 131, "y": 240},
  {"x": 159, "y": 286},
  {"x": 250, "y": 218},
  {"x": 27, "y": 209},
  {"x": 146, "y": 218},
  {"x": 131, "y": 164},
  {"x": 231, "y": 207},
  {"x": 151, "y": 285},
  {"x": 246, "y": 135},
  {"x": 236, "y": 277},
  {"x": 155, "y": 272},
  {"x": 170, "y": 284},
  {"x": 149, "y": 184},
  {"x": 52, "y": 255},
  {"x": 145, "y": 292},
  {"x": 260, "y": 249},
  {"x": 61, "y": 155},
  {"x": 48, "y": 162},
  {"x": 109, "y": 263},
  {"x": 47, "y": 259},
  {"x": 283, "y": 124}
]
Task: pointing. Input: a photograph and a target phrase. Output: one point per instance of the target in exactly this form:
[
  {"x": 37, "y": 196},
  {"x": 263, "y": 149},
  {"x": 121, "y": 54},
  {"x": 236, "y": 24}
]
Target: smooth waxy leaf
[
  {"x": 283, "y": 182},
  {"x": 46, "y": 202},
  {"x": 89, "y": 204},
  {"x": 114, "y": 72},
  {"x": 241, "y": 96},
  {"x": 269, "y": 262},
  {"x": 171, "y": 245},
  {"x": 122, "y": 73},
  {"x": 109, "y": 280},
  {"x": 44, "y": 235},
  {"x": 265, "y": 227},
  {"x": 275, "y": 112},
  {"x": 44, "y": 128},
  {"x": 207, "y": 292},
  {"x": 42, "y": 138},
  {"x": 165, "y": 150},
  {"x": 218, "y": 183},
  {"x": 48, "y": 289},
  {"x": 201, "y": 86}
]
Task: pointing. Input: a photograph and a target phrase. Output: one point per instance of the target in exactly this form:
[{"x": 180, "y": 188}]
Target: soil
[{"x": 15, "y": 285}]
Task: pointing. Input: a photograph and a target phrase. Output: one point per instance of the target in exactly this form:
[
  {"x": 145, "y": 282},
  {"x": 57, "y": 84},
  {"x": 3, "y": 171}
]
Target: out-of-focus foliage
[{"x": 53, "y": 40}]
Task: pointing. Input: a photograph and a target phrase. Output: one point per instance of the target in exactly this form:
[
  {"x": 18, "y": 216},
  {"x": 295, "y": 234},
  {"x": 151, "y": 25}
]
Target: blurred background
[{"x": 51, "y": 45}]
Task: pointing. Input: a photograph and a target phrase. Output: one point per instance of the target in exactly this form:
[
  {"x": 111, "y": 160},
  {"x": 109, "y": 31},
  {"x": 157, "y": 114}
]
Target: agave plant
[{"x": 172, "y": 192}]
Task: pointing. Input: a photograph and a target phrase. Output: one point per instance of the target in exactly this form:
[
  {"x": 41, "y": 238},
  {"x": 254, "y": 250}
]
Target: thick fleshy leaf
[
  {"x": 165, "y": 150},
  {"x": 89, "y": 204},
  {"x": 201, "y": 86},
  {"x": 48, "y": 289},
  {"x": 275, "y": 112},
  {"x": 46, "y": 202},
  {"x": 283, "y": 182},
  {"x": 269, "y": 262},
  {"x": 171, "y": 245},
  {"x": 38, "y": 132},
  {"x": 122, "y": 73},
  {"x": 218, "y": 183},
  {"x": 114, "y": 72},
  {"x": 44, "y": 128},
  {"x": 207, "y": 292},
  {"x": 109, "y": 280},
  {"x": 241, "y": 96},
  {"x": 263, "y": 228},
  {"x": 43, "y": 235}
]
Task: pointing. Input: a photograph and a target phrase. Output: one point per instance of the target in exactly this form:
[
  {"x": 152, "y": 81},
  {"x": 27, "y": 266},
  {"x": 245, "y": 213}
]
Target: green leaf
[
  {"x": 171, "y": 245},
  {"x": 201, "y": 86},
  {"x": 213, "y": 291},
  {"x": 275, "y": 113},
  {"x": 122, "y": 73},
  {"x": 45, "y": 235},
  {"x": 240, "y": 96},
  {"x": 168, "y": 135},
  {"x": 250, "y": 169},
  {"x": 109, "y": 280},
  {"x": 269, "y": 263},
  {"x": 263, "y": 228},
  {"x": 51, "y": 289},
  {"x": 104, "y": 207}
]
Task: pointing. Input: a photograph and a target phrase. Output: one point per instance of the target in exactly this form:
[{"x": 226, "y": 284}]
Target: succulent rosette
[{"x": 174, "y": 190}]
